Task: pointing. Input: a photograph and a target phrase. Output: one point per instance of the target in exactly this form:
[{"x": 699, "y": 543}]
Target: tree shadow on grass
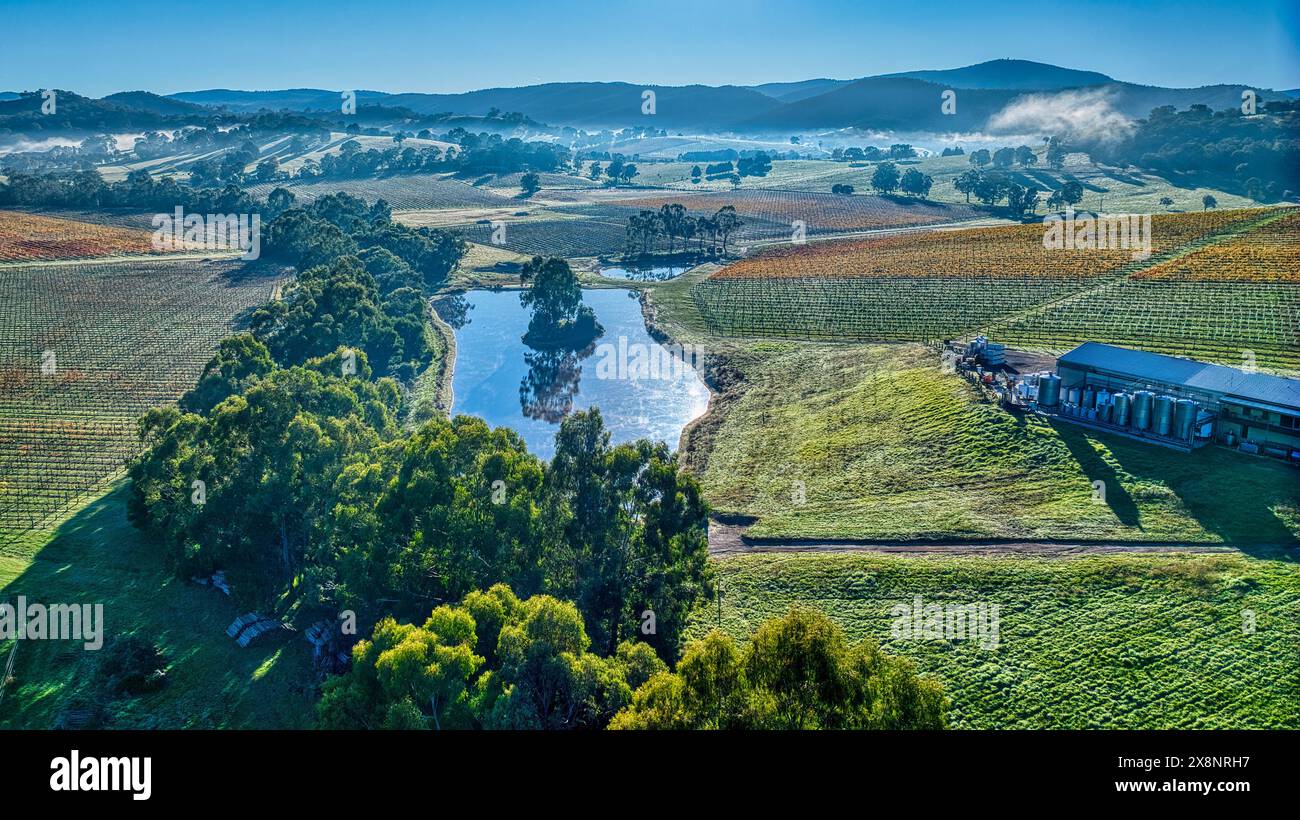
[
  {"x": 1048, "y": 181},
  {"x": 1127, "y": 179},
  {"x": 97, "y": 557},
  {"x": 1087, "y": 186}
]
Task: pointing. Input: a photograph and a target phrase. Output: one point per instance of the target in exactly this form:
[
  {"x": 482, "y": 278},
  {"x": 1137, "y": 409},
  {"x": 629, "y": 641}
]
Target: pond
[
  {"x": 643, "y": 389},
  {"x": 652, "y": 274}
]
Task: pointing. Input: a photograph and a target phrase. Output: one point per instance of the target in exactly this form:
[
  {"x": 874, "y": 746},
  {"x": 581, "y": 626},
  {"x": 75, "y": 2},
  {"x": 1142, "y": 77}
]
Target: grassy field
[
  {"x": 566, "y": 236},
  {"x": 1128, "y": 641},
  {"x": 818, "y": 211},
  {"x": 97, "y": 557},
  {"x": 401, "y": 191},
  {"x": 1109, "y": 190},
  {"x": 878, "y": 443}
]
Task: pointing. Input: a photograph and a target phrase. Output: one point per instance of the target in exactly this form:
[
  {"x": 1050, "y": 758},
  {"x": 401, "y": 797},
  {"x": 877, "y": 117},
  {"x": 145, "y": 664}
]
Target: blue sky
[{"x": 96, "y": 47}]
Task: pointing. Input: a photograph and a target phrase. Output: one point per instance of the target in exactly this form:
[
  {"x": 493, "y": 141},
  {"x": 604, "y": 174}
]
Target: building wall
[{"x": 1259, "y": 426}]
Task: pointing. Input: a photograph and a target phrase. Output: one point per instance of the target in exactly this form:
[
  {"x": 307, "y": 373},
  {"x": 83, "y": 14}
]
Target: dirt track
[{"x": 730, "y": 539}]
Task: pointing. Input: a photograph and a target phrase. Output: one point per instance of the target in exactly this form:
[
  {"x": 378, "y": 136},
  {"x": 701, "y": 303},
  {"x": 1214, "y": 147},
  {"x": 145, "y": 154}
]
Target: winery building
[{"x": 1178, "y": 401}]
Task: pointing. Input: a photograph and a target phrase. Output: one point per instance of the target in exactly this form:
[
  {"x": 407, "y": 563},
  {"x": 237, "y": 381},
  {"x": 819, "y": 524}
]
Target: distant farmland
[
  {"x": 554, "y": 237},
  {"x": 402, "y": 192},
  {"x": 820, "y": 212}
]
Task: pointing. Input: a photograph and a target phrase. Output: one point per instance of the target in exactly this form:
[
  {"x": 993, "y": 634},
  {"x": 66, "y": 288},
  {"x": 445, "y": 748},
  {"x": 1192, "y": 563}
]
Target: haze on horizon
[{"x": 97, "y": 49}]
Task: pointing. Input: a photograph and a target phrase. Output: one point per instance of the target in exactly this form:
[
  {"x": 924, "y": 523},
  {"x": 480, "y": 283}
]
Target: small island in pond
[{"x": 560, "y": 319}]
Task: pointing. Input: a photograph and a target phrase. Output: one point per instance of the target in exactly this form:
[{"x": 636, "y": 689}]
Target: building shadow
[
  {"x": 1078, "y": 441},
  {"x": 1229, "y": 494}
]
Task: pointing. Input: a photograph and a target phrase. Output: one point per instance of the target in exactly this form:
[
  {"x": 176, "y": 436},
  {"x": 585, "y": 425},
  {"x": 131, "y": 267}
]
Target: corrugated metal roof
[{"x": 1229, "y": 381}]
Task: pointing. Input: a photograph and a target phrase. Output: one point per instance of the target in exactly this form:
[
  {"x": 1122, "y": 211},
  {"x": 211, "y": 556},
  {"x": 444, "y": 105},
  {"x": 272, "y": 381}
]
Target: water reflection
[
  {"x": 454, "y": 310},
  {"x": 652, "y": 274},
  {"x": 553, "y": 380}
]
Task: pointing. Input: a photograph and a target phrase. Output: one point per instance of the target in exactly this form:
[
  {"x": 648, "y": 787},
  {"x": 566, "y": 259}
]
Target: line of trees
[
  {"x": 672, "y": 222},
  {"x": 870, "y": 153},
  {"x": 616, "y": 171},
  {"x": 992, "y": 187},
  {"x": 1022, "y": 155}
]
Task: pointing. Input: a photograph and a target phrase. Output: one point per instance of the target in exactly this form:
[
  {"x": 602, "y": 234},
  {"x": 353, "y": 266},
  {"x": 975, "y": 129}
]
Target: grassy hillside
[
  {"x": 1086, "y": 643},
  {"x": 1113, "y": 190},
  {"x": 97, "y": 557},
  {"x": 888, "y": 447}
]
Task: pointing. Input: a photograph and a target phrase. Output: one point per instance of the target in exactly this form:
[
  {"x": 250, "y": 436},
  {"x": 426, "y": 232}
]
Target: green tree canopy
[
  {"x": 559, "y": 318},
  {"x": 267, "y": 459},
  {"x": 492, "y": 662},
  {"x": 797, "y": 672},
  {"x": 885, "y": 179}
]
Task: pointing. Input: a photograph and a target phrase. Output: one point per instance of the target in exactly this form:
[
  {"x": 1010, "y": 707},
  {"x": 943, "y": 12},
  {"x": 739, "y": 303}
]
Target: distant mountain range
[
  {"x": 1010, "y": 75},
  {"x": 904, "y": 100},
  {"x": 147, "y": 101},
  {"x": 1000, "y": 94}
]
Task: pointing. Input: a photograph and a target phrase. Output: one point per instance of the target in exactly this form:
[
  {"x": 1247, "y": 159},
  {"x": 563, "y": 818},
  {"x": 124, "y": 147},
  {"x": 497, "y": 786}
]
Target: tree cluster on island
[{"x": 559, "y": 318}]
